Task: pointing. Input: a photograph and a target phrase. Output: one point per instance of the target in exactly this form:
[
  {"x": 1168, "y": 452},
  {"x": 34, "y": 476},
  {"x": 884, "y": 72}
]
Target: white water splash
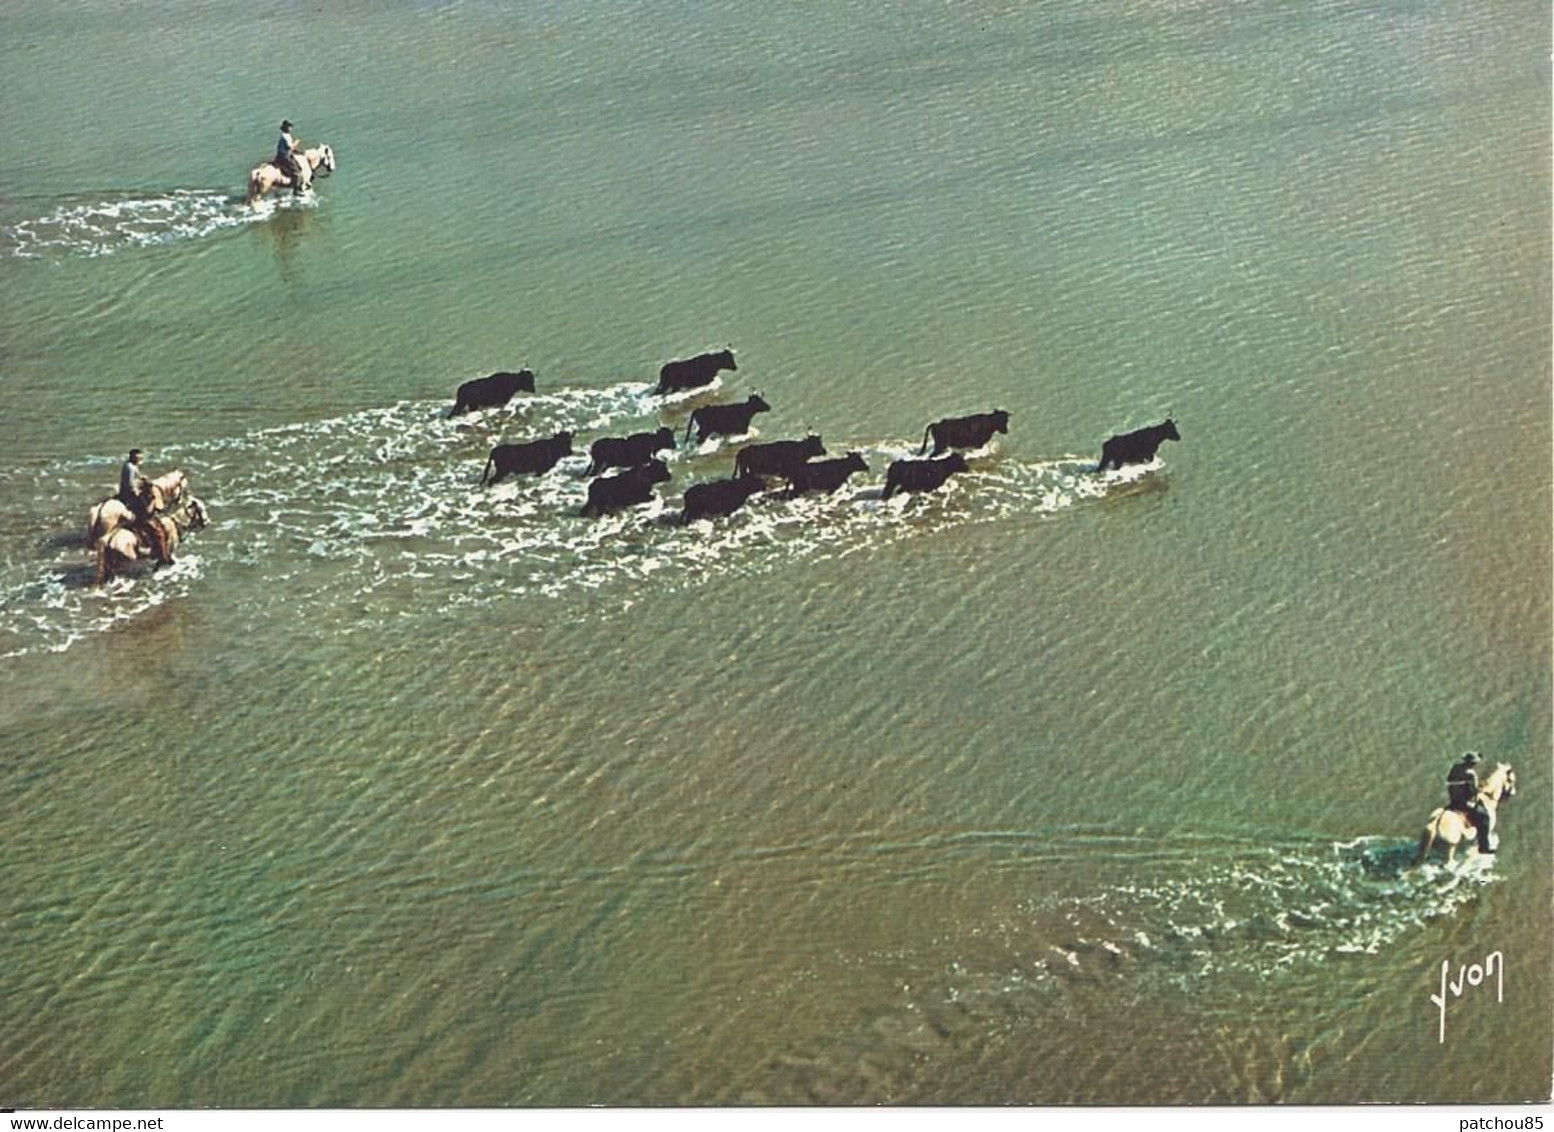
[
  {"x": 105, "y": 226},
  {"x": 1262, "y": 912},
  {"x": 60, "y": 606},
  {"x": 393, "y": 495}
]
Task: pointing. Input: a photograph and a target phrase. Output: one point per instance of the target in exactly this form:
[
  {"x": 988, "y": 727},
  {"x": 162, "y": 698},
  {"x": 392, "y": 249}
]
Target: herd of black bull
[{"x": 792, "y": 460}]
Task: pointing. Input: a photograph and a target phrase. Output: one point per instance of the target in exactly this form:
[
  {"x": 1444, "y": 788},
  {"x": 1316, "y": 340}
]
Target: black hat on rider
[
  {"x": 286, "y": 123},
  {"x": 1470, "y": 757}
]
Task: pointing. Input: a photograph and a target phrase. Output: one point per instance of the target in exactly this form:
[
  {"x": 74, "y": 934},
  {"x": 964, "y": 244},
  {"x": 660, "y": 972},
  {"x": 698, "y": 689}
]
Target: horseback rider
[
  {"x": 288, "y": 157},
  {"x": 135, "y": 493},
  {"x": 135, "y": 487},
  {"x": 1462, "y": 795}
]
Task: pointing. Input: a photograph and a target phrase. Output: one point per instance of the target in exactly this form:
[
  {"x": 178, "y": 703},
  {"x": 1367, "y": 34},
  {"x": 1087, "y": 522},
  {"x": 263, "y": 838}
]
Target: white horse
[
  {"x": 120, "y": 547},
  {"x": 263, "y": 178},
  {"x": 167, "y": 491},
  {"x": 169, "y": 530},
  {"x": 106, "y": 517},
  {"x": 117, "y": 550},
  {"x": 1454, "y": 827}
]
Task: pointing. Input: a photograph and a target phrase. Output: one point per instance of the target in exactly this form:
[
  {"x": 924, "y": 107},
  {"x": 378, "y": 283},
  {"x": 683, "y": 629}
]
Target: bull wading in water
[{"x": 1137, "y": 447}]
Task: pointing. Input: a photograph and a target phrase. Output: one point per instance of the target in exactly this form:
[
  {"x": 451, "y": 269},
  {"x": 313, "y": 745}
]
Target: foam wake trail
[
  {"x": 105, "y": 225},
  {"x": 1224, "y": 924},
  {"x": 371, "y": 502}
]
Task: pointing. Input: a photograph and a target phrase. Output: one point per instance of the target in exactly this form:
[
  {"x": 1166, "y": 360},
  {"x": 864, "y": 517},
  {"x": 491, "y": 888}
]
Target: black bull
[
  {"x": 693, "y": 373},
  {"x": 921, "y": 475},
  {"x": 626, "y": 489},
  {"x": 824, "y": 475},
  {"x": 627, "y": 451},
  {"x": 1136, "y": 447},
  {"x": 490, "y": 392},
  {"x": 776, "y": 457},
  {"x": 534, "y": 458},
  {"x": 721, "y": 497},
  {"x": 725, "y": 420},
  {"x": 964, "y": 432}
]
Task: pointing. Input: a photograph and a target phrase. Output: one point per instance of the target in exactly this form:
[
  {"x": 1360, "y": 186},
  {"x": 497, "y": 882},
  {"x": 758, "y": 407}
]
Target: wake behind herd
[{"x": 149, "y": 516}]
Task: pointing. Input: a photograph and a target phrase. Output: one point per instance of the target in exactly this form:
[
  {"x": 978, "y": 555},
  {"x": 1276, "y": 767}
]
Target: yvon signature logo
[{"x": 1469, "y": 976}]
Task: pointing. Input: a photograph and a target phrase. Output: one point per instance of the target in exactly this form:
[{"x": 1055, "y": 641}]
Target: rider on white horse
[
  {"x": 1462, "y": 795},
  {"x": 288, "y": 157},
  {"x": 135, "y": 493}
]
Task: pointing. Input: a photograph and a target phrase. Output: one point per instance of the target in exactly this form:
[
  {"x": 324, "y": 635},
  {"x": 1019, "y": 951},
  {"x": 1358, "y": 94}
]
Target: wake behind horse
[
  {"x": 269, "y": 175},
  {"x": 1453, "y": 827}
]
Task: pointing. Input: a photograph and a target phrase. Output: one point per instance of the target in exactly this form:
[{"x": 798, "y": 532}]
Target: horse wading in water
[
  {"x": 1453, "y": 827},
  {"x": 117, "y": 550},
  {"x": 316, "y": 162},
  {"x": 119, "y": 534},
  {"x": 175, "y": 524},
  {"x": 120, "y": 547},
  {"x": 167, "y": 490}
]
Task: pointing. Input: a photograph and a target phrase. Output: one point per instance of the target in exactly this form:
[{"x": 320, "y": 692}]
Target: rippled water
[{"x": 403, "y": 789}]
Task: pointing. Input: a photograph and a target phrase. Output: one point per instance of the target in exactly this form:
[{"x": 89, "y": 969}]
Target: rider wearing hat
[
  {"x": 135, "y": 493},
  {"x": 1462, "y": 796},
  {"x": 287, "y": 157}
]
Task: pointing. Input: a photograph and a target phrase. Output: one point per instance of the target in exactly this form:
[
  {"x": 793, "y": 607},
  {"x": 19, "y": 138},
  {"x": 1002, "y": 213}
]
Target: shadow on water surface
[{"x": 284, "y": 230}]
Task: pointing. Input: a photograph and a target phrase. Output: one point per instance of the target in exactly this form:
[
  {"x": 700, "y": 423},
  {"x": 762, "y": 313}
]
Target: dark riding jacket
[{"x": 1462, "y": 787}]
